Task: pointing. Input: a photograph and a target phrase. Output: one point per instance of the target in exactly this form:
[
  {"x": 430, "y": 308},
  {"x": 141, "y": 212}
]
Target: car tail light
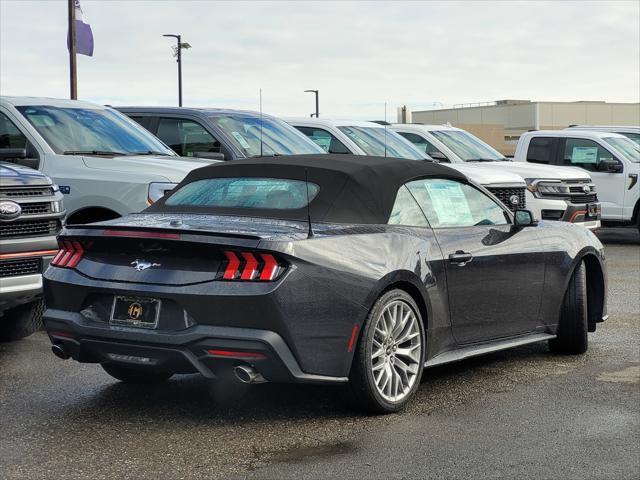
[
  {"x": 252, "y": 266},
  {"x": 69, "y": 255}
]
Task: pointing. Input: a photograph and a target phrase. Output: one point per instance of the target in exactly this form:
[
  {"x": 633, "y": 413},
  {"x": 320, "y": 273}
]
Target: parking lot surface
[{"x": 521, "y": 413}]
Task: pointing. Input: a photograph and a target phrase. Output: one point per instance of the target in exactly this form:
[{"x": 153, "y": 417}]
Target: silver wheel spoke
[{"x": 396, "y": 351}]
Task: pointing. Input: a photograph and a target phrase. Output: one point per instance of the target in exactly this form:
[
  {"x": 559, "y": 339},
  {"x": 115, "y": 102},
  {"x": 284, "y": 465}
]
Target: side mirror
[
  {"x": 13, "y": 153},
  {"x": 523, "y": 218},
  {"x": 611, "y": 166},
  {"x": 441, "y": 157},
  {"x": 209, "y": 155}
]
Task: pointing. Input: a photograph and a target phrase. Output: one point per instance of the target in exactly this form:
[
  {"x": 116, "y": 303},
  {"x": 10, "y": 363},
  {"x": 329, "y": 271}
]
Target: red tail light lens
[
  {"x": 252, "y": 266},
  {"x": 69, "y": 255}
]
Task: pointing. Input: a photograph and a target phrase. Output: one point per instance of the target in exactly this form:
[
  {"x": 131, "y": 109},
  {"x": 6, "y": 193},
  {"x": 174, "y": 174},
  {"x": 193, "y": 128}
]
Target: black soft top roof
[{"x": 353, "y": 188}]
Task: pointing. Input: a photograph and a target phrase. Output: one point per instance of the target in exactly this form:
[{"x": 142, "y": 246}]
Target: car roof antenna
[
  {"x": 261, "y": 122},
  {"x": 385, "y": 129},
  {"x": 306, "y": 181}
]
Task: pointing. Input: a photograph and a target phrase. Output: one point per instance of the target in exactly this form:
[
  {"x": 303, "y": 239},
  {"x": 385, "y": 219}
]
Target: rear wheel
[
  {"x": 134, "y": 374},
  {"x": 389, "y": 358},
  {"x": 21, "y": 321},
  {"x": 572, "y": 330}
]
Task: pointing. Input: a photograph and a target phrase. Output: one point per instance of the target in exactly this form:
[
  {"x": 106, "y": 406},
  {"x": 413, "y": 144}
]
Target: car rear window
[{"x": 245, "y": 192}]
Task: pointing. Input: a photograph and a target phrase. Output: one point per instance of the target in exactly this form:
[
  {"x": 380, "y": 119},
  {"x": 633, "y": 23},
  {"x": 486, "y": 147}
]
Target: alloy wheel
[{"x": 397, "y": 351}]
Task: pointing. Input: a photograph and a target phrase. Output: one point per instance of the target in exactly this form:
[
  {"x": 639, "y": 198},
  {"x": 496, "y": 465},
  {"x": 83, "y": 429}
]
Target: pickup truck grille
[
  {"x": 29, "y": 228},
  {"x": 505, "y": 194},
  {"x": 26, "y": 192},
  {"x": 39, "y": 208},
  {"x": 15, "y": 268},
  {"x": 583, "y": 198}
]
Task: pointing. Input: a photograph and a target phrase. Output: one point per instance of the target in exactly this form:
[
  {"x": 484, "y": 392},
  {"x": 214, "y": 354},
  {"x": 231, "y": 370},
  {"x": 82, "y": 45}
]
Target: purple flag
[{"x": 84, "y": 35}]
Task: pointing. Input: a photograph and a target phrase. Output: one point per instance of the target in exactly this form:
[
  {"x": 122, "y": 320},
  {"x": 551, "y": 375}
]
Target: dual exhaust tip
[{"x": 243, "y": 373}]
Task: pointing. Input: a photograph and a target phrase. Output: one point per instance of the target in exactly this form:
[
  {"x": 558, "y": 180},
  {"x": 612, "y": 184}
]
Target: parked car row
[{"x": 325, "y": 252}]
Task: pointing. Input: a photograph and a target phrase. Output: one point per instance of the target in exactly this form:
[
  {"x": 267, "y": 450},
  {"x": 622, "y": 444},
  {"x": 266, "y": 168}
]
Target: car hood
[
  {"x": 536, "y": 170},
  {"x": 174, "y": 169},
  {"x": 13, "y": 175},
  {"x": 487, "y": 175}
]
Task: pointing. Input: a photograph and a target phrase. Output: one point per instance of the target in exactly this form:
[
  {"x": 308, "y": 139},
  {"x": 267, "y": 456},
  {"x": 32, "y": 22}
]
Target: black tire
[
  {"x": 572, "y": 336},
  {"x": 364, "y": 394},
  {"x": 134, "y": 374},
  {"x": 21, "y": 321}
]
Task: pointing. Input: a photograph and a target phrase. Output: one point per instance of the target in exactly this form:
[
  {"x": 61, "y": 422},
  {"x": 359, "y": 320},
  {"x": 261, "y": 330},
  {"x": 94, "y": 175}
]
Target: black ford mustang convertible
[{"x": 320, "y": 269}]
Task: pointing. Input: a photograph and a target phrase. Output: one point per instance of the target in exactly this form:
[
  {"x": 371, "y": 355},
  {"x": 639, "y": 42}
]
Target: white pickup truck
[
  {"x": 612, "y": 160},
  {"x": 553, "y": 193},
  {"x": 369, "y": 138}
]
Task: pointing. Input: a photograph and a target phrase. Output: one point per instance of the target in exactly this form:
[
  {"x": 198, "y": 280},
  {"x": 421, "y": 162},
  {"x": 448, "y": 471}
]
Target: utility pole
[
  {"x": 317, "y": 114},
  {"x": 178, "y": 54},
  {"x": 73, "y": 69}
]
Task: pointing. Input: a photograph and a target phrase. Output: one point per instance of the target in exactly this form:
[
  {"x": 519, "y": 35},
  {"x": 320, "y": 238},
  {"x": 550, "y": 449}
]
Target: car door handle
[{"x": 460, "y": 258}]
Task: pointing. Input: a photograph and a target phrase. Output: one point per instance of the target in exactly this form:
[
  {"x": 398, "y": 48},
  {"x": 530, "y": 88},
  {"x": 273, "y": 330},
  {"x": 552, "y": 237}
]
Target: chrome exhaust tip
[
  {"x": 246, "y": 374},
  {"x": 60, "y": 352}
]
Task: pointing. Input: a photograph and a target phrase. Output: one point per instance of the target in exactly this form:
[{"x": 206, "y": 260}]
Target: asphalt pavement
[{"x": 523, "y": 413}]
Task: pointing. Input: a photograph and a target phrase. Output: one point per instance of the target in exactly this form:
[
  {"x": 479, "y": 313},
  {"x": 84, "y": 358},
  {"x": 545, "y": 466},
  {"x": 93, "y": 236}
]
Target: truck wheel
[
  {"x": 133, "y": 374},
  {"x": 572, "y": 330},
  {"x": 389, "y": 358},
  {"x": 21, "y": 321}
]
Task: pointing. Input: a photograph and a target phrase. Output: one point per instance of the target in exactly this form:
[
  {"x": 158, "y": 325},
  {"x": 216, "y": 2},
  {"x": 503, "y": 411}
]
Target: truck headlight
[
  {"x": 157, "y": 190},
  {"x": 547, "y": 187}
]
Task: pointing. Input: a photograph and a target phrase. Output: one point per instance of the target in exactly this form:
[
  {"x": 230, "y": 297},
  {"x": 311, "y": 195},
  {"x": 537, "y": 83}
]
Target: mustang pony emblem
[{"x": 141, "y": 265}]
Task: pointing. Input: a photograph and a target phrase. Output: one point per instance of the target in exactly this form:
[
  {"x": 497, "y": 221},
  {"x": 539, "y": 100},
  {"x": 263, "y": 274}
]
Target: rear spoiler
[{"x": 132, "y": 232}]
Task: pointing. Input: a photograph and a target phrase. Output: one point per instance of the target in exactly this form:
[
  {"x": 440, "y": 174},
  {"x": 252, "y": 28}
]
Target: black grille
[
  {"x": 29, "y": 228},
  {"x": 583, "y": 198},
  {"x": 14, "y": 268},
  {"x": 504, "y": 195},
  {"x": 26, "y": 192},
  {"x": 40, "y": 208}
]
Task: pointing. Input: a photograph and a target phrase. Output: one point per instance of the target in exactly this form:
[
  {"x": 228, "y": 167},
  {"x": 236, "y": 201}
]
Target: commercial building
[{"x": 501, "y": 123}]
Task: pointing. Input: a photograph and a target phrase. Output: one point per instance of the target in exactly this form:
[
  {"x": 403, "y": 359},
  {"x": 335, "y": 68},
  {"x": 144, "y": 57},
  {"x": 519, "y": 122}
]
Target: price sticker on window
[{"x": 584, "y": 155}]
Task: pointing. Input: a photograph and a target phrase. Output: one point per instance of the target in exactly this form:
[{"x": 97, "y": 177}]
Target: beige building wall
[{"x": 501, "y": 124}]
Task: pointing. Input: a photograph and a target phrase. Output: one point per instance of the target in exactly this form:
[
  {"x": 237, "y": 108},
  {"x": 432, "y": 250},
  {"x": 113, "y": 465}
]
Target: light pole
[
  {"x": 178, "y": 53},
  {"x": 317, "y": 114}
]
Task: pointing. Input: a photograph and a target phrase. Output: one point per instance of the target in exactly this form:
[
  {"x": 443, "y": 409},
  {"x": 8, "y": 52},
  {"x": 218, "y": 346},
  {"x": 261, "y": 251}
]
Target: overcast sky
[{"x": 359, "y": 55}]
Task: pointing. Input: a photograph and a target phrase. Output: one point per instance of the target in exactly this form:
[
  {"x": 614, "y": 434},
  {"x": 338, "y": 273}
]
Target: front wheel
[
  {"x": 133, "y": 374},
  {"x": 389, "y": 359},
  {"x": 572, "y": 330}
]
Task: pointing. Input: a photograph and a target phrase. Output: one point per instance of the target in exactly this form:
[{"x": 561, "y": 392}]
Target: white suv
[
  {"x": 368, "y": 138},
  {"x": 553, "y": 193},
  {"x": 612, "y": 160}
]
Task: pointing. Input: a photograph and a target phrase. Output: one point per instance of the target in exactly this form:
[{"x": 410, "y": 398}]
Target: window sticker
[
  {"x": 584, "y": 155},
  {"x": 240, "y": 139},
  {"x": 449, "y": 203}
]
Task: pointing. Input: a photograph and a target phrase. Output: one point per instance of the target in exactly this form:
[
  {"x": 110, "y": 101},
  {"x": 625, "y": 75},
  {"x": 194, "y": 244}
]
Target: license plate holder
[{"x": 135, "y": 312}]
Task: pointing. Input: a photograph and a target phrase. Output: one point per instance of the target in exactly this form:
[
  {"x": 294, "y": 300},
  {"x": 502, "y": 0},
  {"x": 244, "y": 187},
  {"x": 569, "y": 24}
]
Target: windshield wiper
[
  {"x": 94, "y": 152},
  {"x": 151, "y": 152}
]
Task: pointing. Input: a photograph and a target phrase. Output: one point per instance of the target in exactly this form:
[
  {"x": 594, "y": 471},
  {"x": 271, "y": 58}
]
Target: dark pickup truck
[{"x": 31, "y": 215}]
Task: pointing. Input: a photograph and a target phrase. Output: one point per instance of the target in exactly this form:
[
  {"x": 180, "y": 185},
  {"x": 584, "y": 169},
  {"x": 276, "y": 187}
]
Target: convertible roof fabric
[{"x": 354, "y": 189}]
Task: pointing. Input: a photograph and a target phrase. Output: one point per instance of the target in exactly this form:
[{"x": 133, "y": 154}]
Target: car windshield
[
  {"x": 382, "y": 142},
  {"x": 468, "y": 147},
  {"x": 245, "y": 192},
  {"x": 91, "y": 131},
  {"x": 257, "y": 137},
  {"x": 625, "y": 147}
]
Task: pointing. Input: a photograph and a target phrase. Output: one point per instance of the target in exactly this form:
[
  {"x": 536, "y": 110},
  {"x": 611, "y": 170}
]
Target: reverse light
[
  {"x": 69, "y": 255},
  {"x": 252, "y": 266}
]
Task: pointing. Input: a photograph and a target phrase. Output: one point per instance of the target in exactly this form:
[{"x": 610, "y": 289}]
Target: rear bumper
[{"x": 186, "y": 351}]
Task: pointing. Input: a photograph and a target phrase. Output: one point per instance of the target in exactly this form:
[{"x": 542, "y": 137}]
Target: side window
[
  {"x": 406, "y": 210},
  {"x": 142, "y": 120},
  {"x": 540, "y": 150},
  {"x": 185, "y": 137},
  {"x": 328, "y": 142},
  {"x": 424, "y": 145},
  {"x": 584, "y": 153},
  {"x": 10, "y": 136},
  {"x": 449, "y": 203}
]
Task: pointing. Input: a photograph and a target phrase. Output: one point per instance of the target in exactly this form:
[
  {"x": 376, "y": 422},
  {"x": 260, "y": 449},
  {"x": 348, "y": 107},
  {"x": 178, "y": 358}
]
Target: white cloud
[{"x": 358, "y": 54}]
